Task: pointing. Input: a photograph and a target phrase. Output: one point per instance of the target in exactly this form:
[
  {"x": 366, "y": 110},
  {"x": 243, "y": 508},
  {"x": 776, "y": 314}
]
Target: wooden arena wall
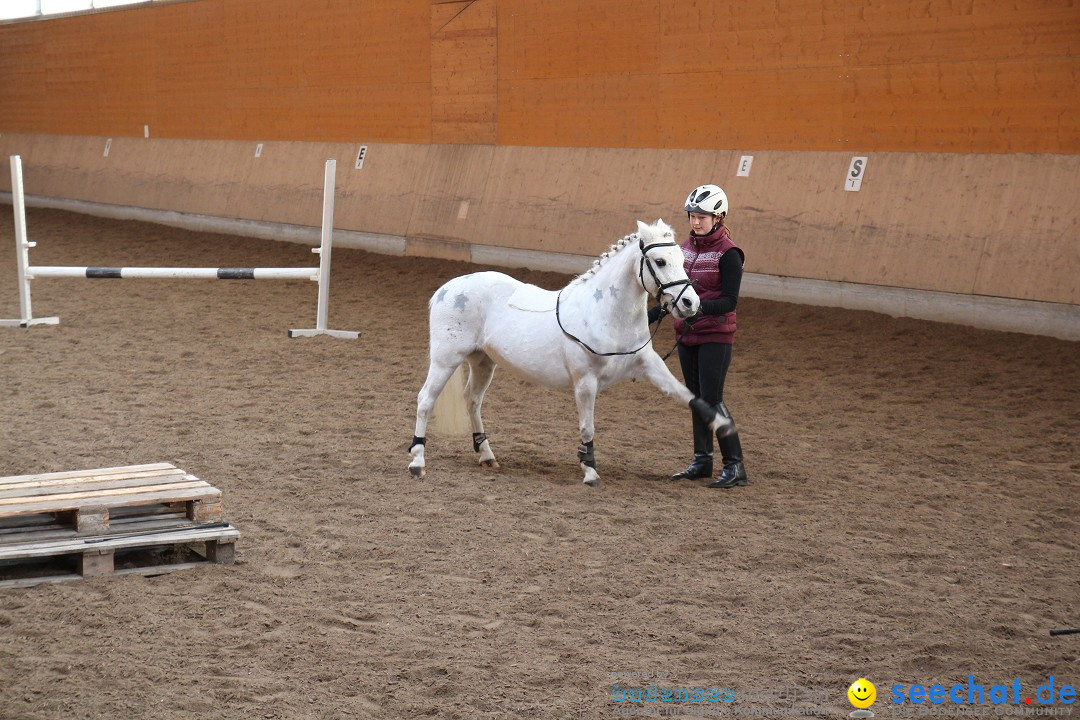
[{"x": 552, "y": 126}]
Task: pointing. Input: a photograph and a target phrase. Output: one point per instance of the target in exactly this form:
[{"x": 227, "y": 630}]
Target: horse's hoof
[
  {"x": 490, "y": 464},
  {"x": 592, "y": 483},
  {"x": 416, "y": 472}
]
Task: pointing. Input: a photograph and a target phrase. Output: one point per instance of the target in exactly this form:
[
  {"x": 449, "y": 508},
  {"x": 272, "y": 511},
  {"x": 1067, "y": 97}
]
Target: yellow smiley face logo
[{"x": 862, "y": 693}]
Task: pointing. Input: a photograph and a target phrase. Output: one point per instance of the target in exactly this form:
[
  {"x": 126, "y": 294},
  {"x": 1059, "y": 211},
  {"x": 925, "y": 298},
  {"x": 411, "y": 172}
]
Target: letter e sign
[{"x": 855, "y": 174}]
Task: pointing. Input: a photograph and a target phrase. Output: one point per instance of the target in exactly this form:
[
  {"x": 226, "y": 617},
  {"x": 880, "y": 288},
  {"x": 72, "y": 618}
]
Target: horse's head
[{"x": 661, "y": 270}]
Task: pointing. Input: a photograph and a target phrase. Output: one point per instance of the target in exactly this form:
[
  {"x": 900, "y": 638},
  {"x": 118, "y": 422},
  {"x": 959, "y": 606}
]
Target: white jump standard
[{"x": 320, "y": 274}]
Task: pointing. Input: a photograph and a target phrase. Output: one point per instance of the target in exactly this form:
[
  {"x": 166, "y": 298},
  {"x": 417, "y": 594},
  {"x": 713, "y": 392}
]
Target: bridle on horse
[{"x": 644, "y": 263}]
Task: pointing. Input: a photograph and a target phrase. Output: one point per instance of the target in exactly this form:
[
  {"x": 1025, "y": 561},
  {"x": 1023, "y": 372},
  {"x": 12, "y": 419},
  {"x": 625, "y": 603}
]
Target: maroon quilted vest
[{"x": 701, "y": 261}]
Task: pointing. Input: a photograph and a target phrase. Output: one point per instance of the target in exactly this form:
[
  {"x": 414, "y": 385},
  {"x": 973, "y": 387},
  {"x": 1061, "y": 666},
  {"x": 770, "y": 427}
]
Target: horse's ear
[{"x": 641, "y": 227}]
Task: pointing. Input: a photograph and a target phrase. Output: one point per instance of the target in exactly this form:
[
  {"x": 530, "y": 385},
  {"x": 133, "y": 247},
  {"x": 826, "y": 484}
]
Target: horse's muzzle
[{"x": 684, "y": 306}]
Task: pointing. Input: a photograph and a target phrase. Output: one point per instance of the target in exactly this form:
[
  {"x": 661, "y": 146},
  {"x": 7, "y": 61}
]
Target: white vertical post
[
  {"x": 22, "y": 246},
  {"x": 324, "y": 250},
  {"x": 326, "y": 242},
  {"x": 22, "y": 252}
]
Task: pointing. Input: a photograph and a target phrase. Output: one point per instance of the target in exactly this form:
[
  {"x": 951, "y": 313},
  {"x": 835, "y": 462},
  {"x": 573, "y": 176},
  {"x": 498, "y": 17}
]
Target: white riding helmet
[{"x": 707, "y": 200}]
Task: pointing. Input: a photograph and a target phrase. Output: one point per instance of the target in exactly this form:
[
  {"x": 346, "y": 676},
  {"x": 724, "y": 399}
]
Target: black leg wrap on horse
[
  {"x": 704, "y": 410},
  {"x": 477, "y": 440},
  {"x": 731, "y": 429},
  {"x": 417, "y": 441},
  {"x": 586, "y": 456}
]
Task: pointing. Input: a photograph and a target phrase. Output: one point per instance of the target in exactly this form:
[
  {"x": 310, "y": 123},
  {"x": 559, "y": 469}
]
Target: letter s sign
[{"x": 855, "y": 174}]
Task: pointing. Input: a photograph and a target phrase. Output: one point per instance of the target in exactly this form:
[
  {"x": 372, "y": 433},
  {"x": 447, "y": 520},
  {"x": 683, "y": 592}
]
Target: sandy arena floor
[{"x": 913, "y": 514}]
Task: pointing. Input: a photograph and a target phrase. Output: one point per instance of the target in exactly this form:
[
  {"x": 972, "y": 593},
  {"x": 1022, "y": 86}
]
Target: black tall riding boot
[
  {"x": 702, "y": 465},
  {"x": 734, "y": 472}
]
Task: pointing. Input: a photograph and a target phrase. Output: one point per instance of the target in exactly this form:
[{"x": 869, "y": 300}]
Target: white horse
[{"x": 587, "y": 336}]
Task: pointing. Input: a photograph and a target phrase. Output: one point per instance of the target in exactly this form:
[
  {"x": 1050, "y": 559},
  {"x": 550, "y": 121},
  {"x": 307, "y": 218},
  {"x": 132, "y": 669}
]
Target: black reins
[{"x": 645, "y": 262}]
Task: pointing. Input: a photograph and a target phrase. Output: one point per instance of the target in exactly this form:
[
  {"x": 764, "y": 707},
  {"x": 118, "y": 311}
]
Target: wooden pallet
[{"x": 145, "y": 519}]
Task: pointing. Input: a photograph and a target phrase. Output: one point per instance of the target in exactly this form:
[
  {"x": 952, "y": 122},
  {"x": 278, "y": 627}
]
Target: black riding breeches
[{"x": 704, "y": 368}]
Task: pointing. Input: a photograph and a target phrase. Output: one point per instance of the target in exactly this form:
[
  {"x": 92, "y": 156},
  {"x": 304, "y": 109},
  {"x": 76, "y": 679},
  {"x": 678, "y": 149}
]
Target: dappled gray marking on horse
[{"x": 588, "y": 336}]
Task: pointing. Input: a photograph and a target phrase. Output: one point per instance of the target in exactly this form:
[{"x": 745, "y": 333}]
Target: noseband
[
  {"x": 645, "y": 262},
  {"x": 660, "y": 286}
]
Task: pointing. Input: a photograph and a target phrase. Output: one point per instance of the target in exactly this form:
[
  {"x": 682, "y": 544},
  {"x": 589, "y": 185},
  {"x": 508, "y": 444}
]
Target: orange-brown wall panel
[
  {"x": 793, "y": 109},
  {"x": 615, "y": 37},
  {"x": 955, "y": 76},
  {"x": 255, "y": 69},
  {"x": 94, "y": 80},
  {"x": 265, "y": 50},
  {"x": 582, "y": 112},
  {"x": 464, "y": 57},
  {"x": 884, "y": 32},
  {"x": 537, "y": 40},
  {"x": 797, "y": 109},
  {"x": 749, "y": 34},
  {"x": 965, "y": 107}
]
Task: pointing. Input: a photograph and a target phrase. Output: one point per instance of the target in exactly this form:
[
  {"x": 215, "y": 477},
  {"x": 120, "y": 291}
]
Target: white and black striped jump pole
[
  {"x": 321, "y": 274},
  {"x": 103, "y": 273}
]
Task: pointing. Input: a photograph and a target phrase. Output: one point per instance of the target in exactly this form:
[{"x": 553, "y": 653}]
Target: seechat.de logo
[{"x": 973, "y": 693}]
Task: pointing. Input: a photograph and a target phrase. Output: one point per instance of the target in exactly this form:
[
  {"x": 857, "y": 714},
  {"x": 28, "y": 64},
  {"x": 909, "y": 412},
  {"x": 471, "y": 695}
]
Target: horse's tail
[{"x": 450, "y": 417}]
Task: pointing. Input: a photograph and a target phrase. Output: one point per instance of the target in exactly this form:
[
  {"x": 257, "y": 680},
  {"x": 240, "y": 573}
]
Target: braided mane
[{"x": 599, "y": 262}]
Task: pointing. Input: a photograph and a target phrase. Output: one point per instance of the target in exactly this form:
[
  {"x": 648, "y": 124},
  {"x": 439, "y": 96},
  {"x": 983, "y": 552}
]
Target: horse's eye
[{"x": 661, "y": 263}]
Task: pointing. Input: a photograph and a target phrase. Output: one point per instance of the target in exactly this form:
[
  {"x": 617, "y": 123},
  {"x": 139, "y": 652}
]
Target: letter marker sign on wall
[
  {"x": 360, "y": 155},
  {"x": 855, "y": 174},
  {"x": 744, "y": 166}
]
